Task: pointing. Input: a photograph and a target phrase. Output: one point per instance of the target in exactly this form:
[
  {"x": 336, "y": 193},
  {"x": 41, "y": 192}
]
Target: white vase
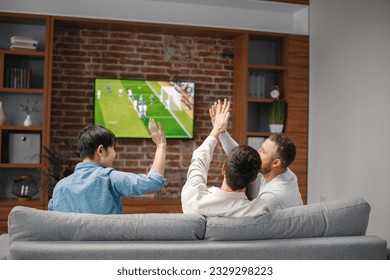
[
  {"x": 28, "y": 121},
  {"x": 3, "y": 115},
  {"x": 276, "y": 128}
]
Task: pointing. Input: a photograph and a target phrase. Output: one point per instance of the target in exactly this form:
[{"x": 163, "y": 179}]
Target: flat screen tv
[{"x": 124, "y": 106}]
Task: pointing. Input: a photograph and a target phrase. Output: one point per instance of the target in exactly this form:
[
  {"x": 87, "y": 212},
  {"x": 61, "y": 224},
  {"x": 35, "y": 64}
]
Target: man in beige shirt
[
  {"x": 276, "y": 184},
  {"x": 241, "y": 168}
]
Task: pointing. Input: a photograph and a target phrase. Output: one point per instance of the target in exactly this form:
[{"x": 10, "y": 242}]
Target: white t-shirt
[
  {"x": 196, "y": 197},
  {"x": 281, "y": 192}
]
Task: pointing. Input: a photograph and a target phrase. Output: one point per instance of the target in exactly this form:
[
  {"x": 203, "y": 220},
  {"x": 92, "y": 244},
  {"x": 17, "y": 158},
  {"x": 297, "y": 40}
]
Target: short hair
[
  {"x": 91, "y": 137},
  {"x": 242, "y": 166},
  {"x": 286, "y": 150}
]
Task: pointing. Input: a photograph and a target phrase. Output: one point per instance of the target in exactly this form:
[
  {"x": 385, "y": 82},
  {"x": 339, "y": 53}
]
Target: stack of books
[
  {"x": 18, "y": 42},
  {"x": 18, "y": 78}
]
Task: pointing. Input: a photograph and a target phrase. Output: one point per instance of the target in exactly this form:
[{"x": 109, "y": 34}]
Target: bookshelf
[{"x": 24, "y": 80}]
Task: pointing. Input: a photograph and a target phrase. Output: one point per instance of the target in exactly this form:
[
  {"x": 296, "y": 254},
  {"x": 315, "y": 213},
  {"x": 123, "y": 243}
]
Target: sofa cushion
[
  {"x": 345, "y": 217},
  {"x": 30, "y": 224}
]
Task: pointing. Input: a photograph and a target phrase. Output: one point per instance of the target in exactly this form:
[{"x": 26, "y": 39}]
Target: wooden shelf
[
  {"x": 20, "y": 165},
  {"x": 23, "y": 52},
  {"x": 21, "y": 128},
  {"x": 10, "y": 202},
  {"x": 21, "y": 90},
  {"x": 260, "y": 100},
  {"x": 268, "y": 67}
]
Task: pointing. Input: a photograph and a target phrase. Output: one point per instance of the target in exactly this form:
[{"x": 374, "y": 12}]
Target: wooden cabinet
[
  {"x": 24, "y": 81},
  {"x": 263, "y": 60}
]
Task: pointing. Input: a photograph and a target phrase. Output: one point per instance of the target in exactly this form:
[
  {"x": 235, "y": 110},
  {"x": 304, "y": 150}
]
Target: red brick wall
[{"x": 81, "y": 55}]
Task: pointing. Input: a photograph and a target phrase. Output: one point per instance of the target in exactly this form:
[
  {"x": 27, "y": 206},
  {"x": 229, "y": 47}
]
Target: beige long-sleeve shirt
[{"x": 197, "y": 197}]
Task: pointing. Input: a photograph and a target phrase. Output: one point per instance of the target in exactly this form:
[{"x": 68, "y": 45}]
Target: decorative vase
[
  {"x": 28, "y": 121},
  {"x": 3, "y": 115},
  {"x": 276, "y": 128}
]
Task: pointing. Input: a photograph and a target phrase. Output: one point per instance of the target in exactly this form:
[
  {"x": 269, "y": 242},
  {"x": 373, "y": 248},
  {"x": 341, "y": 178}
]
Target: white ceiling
[
  {"x": 253, "y": 15},
  {"x": 260, "y": 5}
]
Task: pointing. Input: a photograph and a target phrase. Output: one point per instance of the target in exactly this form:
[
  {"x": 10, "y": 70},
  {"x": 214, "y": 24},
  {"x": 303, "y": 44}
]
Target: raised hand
[
  {"x": 212, "y": 112},
  {"x": 157, "y": 133},
  {"x": 159, "y": 139},
  {"x": 219, "y": 114}
]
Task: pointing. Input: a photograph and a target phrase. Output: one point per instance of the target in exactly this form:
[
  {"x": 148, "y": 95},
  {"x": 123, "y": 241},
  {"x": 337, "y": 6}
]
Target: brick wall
[{"x": 80, "y": 55}]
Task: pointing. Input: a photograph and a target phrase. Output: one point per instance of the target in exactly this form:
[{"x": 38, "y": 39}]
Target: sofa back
[
  {"x": 347, "y": 217},
  {"x": 334, "y": 218},
  {"x": 29, "y": 224}
]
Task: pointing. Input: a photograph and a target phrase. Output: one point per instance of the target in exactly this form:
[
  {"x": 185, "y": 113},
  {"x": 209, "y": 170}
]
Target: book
[
  {"x": 17, "y": 46},
  {"x": 27, "y": 40},
  {"x": 21, "y": 38},
  {"x": 23, "y": 46},
  {"x": 18, "y": 42},
  {"x": 18, "y": 78}
]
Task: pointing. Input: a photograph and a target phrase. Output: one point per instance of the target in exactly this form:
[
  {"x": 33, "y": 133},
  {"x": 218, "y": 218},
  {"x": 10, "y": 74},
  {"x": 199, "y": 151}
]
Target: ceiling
[
  {"x": 256, "y": 15},
  {"x": 242, "y": 4}
]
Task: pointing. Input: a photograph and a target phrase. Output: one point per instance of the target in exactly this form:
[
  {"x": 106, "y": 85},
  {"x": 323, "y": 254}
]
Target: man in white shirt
[
  {"x": 241, "y": 167},
  {"x": 276, "y": 183}
]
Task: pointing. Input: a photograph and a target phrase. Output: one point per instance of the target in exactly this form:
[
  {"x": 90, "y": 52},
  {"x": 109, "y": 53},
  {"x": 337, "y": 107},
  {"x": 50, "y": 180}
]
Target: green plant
[
  {"x": 59, "y": 164},
  {"x": 277, "y": 112}
]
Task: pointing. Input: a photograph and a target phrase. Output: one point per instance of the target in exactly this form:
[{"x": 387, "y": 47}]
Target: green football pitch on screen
[{"x": 125, "y": 107}]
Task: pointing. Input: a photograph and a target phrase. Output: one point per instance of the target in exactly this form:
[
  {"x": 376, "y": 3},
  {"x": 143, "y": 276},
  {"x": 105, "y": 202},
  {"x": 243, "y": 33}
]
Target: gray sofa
[{"x": 329, "y": 230}]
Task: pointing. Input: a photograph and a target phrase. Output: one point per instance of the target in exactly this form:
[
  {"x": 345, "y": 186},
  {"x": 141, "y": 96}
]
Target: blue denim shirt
[{"x": 95, "y": 189}]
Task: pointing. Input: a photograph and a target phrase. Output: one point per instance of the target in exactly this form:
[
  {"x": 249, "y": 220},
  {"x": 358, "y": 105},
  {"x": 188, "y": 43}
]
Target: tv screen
[{"x": 124, "y": 106}]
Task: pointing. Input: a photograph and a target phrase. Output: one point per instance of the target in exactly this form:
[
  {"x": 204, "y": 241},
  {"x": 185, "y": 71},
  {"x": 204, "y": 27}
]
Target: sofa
[{"x": 327, "y": 230}]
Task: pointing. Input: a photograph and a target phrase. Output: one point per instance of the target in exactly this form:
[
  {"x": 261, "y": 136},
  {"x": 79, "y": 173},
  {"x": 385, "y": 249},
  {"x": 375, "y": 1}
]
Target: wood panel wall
[{"x": 297, "y": 99}]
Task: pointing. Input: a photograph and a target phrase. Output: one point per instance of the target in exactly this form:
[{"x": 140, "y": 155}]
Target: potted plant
[
  {"x": 277, "y": 114},
  {"x": 59, "y": 164}
]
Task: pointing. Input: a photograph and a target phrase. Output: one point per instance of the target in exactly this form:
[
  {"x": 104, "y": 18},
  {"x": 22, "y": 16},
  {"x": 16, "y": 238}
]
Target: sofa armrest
[{"x": 5, "y": 242}]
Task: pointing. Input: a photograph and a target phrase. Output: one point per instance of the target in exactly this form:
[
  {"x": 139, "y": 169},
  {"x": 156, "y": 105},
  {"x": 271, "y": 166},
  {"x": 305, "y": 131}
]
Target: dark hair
[
  {"x": 91, "y": 137},
  {"x": 286, "y": 150},
  {"x": 242, "y": 165}
]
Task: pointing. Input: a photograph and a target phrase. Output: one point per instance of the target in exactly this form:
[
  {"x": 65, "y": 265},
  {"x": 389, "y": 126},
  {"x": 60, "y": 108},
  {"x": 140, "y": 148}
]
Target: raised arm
[
  {"x": 228, "y": 143},
  {"x": 159, "y": 139}
]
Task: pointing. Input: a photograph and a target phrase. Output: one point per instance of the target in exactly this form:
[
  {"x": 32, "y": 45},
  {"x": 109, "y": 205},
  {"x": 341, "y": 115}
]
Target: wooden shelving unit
[
  {"x": 282, "y": 60},
  {"x": 14, "y": 94}
]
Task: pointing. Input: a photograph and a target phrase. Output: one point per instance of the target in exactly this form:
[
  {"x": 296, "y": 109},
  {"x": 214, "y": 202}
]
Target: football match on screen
[{"x": 125, "y": 107}]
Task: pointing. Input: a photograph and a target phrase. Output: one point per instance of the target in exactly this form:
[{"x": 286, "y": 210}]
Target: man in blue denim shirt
[{"x": 96, "y": 187}]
